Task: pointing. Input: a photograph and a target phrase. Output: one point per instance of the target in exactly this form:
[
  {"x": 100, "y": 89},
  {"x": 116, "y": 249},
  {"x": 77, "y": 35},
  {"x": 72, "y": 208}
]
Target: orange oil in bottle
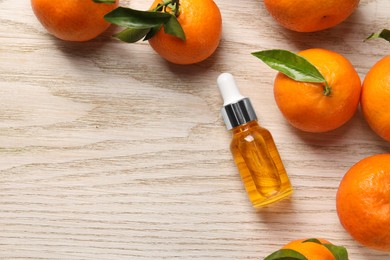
[
  {"x": 253, "y": 147},
  {"x": 259, "y": 164}
]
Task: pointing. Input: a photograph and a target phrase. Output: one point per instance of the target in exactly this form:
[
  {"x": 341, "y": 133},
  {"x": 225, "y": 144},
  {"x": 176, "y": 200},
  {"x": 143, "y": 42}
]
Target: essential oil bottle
[{"x": 253, "y": 148}]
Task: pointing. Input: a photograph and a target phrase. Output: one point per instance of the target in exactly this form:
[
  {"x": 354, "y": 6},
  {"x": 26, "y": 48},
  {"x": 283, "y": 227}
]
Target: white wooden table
[{"x": 109, "y": 152}]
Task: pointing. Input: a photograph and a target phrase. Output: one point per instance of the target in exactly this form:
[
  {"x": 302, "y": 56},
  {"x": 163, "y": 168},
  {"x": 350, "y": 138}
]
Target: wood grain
[{"x": 109, "y": 152}]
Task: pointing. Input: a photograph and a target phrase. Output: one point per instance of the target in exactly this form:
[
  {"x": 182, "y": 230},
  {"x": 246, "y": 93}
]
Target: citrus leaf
[
  {"x": 104, "y": 1},
  {"x": 339, "y": 252},
  {"x": 127, "y": 17},
  {"x": 174, "y": 28},
  {"x": 131, "y": 35},
  {"x": 314, "y": 240},
  {"x": 286, "y": 254},
  {"x": 292, "y": 65},
  {"x": 384, "y": 34},
  {"x": 152, "y": 32}
]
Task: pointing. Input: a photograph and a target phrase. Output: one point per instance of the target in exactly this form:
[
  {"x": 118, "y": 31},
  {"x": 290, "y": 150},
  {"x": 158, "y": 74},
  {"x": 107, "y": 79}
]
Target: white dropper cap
[
  {"x": 228, "y": 88},
  {"x": 237, "y": 109}
]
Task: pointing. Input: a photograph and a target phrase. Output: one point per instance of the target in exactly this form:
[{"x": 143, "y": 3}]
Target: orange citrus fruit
[
  {"x": 307, "y": 107},
  {"x": 72, "y": 20},
  {"x": 363, "y": 202},
  {"x": 310, "y": 15},
  {"x": 375, "y": 100},
  {"x": 311, "y": 250},
  {"x": 201, "y": 21}
]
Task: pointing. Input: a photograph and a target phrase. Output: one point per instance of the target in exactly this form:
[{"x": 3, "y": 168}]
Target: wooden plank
[{"x": 109, "y": 152}]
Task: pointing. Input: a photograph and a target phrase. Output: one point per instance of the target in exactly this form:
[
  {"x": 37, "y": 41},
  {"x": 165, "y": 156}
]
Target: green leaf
[
  {"x": 292, "y": 65},
  {"x": 131, "y": 35},
  {"x": 286, "y": 254},
  {"x": 384, "y": 34},
  {"x": 152, "y": 32},
  {"x": 127, "y": 17},
  {"x": 104, "y": 1},
  {"x": 339, "y": 252},
  {"x": 174, "y": 28},
  {"x": 314, "y": 240},
  {"x": 141, "y": 24}
]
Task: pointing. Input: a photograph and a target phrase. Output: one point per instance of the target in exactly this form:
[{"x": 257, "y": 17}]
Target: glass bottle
[{"x": 253, "y": 148}]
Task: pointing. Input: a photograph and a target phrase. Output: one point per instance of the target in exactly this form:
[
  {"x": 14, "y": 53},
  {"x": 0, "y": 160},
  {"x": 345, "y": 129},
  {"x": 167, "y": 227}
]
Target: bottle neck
[
  {"x": 245, "y": 127},
  {"x": 238, "y": 113}
]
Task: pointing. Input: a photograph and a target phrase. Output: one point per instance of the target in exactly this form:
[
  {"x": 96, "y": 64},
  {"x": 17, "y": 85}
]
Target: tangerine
[
  {"x": 307, "y": 107},
  {"x": 363, "y": 202},
  {"x": 201, "y": 21},
  {"x": 310, "y": 15},
  {"x": 375, "y": 98},
  {"x": 72, "y": 20},
  {"x": 311, "y": 250}
]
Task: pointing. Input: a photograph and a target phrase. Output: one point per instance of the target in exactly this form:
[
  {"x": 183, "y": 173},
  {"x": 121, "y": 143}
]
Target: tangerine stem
[
  {"x": 327, "y": 89},
  {"x": 177, "y": 4},
  {"x": 172, "y": 4},
  {"x": 162, "y": 5}
]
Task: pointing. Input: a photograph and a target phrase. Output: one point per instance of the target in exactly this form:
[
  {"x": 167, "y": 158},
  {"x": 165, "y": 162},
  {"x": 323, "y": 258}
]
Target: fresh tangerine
[
  {"x": 375, "y": 100},
  {"x": 72, "y": 20},
  {"x": 307, "y": 107},
  {"x": 310, "y": 15},
  {"x": 311, "y": 250},
  {"x": 201, "y": 21},
  {"x": 363, "y": 202}
]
